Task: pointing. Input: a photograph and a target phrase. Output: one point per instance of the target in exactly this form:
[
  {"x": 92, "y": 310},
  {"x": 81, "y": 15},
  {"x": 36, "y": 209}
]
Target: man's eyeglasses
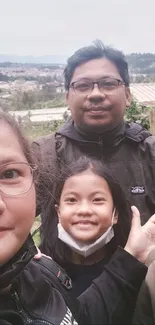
[
  {"x": 105, "y": 85},
  {"x": 16, "y": 178}
]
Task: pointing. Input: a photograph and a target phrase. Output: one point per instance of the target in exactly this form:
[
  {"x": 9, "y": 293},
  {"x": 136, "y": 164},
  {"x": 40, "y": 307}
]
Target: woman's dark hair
[
  {"x": 50, "y": 244},
  {"x": 96, "y": 51}
]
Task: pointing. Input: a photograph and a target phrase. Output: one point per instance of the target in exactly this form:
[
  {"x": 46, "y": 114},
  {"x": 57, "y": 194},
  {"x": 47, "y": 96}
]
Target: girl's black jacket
[{"x": 34, "y": 299}]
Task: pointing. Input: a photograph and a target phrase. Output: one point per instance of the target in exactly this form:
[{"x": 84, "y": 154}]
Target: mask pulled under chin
[{"x": 83, "y": 249}]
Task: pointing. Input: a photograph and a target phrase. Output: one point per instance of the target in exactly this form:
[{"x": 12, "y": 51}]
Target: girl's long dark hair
[{"x": 50, "y": 244}]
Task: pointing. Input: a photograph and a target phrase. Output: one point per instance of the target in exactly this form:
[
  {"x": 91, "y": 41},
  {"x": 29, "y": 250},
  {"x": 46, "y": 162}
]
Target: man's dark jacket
[{"x": 128, "y": 150}]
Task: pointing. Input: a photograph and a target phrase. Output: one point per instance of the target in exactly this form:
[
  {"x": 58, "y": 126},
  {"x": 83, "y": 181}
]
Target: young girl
[
  {"x": 28, "y": 294},
  {"x": 94, "y": 218}
]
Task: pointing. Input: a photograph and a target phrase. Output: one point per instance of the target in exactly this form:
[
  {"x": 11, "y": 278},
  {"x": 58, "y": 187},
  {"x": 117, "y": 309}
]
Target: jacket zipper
[{"x": 24, "y": 314}]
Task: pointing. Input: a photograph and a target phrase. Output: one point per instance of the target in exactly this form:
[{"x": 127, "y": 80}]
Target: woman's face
[
  {"x": 17, "y": 210},
  {"x": 86, "y": 206}
]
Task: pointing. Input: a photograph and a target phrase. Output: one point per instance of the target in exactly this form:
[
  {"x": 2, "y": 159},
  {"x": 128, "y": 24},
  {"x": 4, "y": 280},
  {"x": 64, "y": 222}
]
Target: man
[{"x": 97, "y": 93}]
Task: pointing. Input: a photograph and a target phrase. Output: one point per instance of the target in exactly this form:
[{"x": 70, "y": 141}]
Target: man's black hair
[{"x": 96, "y": 51}]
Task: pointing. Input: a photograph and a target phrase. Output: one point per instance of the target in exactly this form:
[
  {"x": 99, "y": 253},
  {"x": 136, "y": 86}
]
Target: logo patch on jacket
[{"x": 137, "y": 189}]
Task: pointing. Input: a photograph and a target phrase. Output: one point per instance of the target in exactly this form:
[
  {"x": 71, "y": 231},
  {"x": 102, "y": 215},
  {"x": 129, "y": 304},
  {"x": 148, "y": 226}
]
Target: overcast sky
[{"x": 40, "y": 27}]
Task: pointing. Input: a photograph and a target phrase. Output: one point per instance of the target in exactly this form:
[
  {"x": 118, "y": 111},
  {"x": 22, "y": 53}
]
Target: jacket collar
[
  {"x": 11, "y": 269},
  {"x": 132, "y": 131}
]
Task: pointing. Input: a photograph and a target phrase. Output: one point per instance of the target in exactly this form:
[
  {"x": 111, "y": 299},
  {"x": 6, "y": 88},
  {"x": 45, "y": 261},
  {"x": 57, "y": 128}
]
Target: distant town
[
  {"x": 24, "y": 86},
  {"x": 37, "y": 88},
  {"x": 27, "y": 86}
]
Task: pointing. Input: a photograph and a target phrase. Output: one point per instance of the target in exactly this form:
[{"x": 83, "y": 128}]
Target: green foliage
[
  {"x": 133, "y": 111},
  {"x": 58, "y": 101},
  {"x": 23, "y": 100},
  {"x": 35, "y": 130},
  {"x": 47, "y": 97},
  {"x": 36, "y": 238},
  {"x": 138, "y": 113},
  {"x": 35, "y": 231}
]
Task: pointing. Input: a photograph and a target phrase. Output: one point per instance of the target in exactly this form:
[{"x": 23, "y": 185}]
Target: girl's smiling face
[
  {"x": 17, "y": 212},
  {"x": 86, "y": 206}
]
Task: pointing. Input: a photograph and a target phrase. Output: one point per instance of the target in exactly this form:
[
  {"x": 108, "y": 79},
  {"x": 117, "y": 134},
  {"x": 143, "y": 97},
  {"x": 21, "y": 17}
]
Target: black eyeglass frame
[{"x": 96, "y": 82}]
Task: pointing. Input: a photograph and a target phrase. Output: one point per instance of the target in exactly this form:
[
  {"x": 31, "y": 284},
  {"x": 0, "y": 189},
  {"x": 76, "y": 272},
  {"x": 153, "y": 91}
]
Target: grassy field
[{"x": 36, "y": 130}]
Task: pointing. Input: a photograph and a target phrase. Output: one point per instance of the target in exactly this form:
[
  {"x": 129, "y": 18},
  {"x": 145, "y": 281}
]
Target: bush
[{"x": 138, "y": 113}]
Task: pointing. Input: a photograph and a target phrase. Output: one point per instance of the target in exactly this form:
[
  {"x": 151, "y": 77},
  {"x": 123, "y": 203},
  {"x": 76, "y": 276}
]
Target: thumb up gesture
[{"x": 141, "y": 240}]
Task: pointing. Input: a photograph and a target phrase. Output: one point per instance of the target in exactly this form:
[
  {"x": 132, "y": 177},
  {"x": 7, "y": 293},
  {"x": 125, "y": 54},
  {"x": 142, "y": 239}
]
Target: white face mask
[{"x": 84, "y": 249}]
